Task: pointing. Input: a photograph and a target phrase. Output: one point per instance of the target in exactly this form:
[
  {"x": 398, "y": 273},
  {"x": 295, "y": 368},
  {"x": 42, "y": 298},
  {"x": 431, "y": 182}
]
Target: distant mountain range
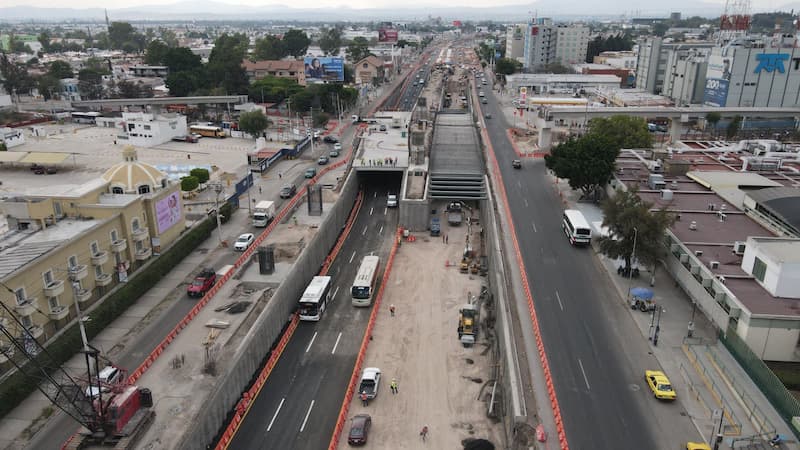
[{"x": 183, "y": 11}]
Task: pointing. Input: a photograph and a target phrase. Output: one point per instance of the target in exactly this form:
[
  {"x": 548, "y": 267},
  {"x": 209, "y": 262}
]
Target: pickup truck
[
  {"x": 370, "y": 379},
  {"x": 454, "y": 214},
  {"x": 202, "y": 283}
]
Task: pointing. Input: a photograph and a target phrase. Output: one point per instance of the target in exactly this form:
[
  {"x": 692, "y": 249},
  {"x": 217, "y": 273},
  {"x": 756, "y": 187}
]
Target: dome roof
[{"x": 131, "y": 174}]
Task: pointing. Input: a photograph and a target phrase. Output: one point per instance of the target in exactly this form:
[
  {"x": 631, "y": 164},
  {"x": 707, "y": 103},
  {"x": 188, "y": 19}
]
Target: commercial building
[
  {"x": 762, "y": 72},
  {"x": 734, "y": 245},
  {"x": 515, "y": 42},
  {"x": 11, "y": 137},
  {"x": 369, "y": 69},
  {"x": 685, "y": 77},
  {"x": 558, "y": 84},
  {"x": 74, "y": 243},
  {"x": 653, "y": 60},
  {"x": 275, "y": 68},
  {"x": 619, "y": 60},
  {"x": 547, "y": 43}
]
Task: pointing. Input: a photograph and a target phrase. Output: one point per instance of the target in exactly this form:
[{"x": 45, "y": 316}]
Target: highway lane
[
  {"x": 596, "y": 354},
  {"x": 298, "y": 406}
]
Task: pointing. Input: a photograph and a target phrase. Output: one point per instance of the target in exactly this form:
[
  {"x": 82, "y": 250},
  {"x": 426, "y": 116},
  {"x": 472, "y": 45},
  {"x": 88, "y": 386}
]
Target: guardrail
[
  {"x": 710, "y": 381},
  {"x": 348, "y": 397}
]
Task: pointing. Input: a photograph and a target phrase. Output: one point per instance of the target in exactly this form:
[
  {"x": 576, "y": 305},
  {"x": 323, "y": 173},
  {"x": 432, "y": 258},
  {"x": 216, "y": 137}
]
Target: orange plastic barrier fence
[
  {"x": 551, "y": 393},
  {"x": 348, "y": 397}
]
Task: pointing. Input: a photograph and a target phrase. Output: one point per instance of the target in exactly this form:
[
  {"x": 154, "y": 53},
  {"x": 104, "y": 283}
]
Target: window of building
[
  {"x": 94, "y": 248},
  {"x": 759, "y": 269},
  {"x": 26, "y": 321},
  {"x": 135, "y": 224},
  {"x": 98, "y": 271},
  {"x": 113, "y": 234},
  {"x": 47, "y": 277},
  {"x": 57, "y": 209},
  {"x": 144, "y": 189},
  {"x": 19, "y": 293},
  {"x": 53, "y": 302},
  {"x": 72, "y": 261},
  {"x": 147, "y": 127},
  {"x": 117, "y": 190},
  {"x": 139, "y": 247}
]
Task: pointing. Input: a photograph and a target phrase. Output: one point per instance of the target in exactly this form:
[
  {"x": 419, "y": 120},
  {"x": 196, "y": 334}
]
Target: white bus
[
  {"x": 364, "y": 284},
  {"x": 315, "y": 298},
  {"x": 576, "y": 227}
]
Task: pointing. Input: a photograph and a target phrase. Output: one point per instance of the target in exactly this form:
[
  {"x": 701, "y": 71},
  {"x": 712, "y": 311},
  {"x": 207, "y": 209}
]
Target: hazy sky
[{"x": 634, "y": 7}]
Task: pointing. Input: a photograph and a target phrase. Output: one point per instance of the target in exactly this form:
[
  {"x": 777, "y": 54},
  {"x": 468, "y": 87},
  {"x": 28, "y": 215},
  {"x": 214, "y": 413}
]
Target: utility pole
[
  {"x": 630, "y": 268},
  {"x": 218, "y": 189}
]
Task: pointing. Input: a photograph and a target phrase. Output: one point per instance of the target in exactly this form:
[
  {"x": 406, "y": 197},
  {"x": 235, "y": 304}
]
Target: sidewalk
[{"x": 703, "y": 372}]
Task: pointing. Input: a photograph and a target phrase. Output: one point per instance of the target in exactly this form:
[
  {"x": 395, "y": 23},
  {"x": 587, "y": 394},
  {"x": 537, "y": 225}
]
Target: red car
[
  {"x": 202, "y": 283},
  {"x": 359, "y": 429}
]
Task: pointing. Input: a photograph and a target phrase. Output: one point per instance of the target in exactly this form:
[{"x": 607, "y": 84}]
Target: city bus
[
  {"x": 86, "y": 117},
  {"x": 364, "y": 284},
  {"x": 207, "y": 131},
  {"x": 315, "y": 298},
  {"x": 576, "y": 227}
]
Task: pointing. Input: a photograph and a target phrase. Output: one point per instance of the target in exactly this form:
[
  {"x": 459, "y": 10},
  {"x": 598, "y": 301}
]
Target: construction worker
[
  {"x": 364, "y": 400},
  {"x": 393, "y": 386}
]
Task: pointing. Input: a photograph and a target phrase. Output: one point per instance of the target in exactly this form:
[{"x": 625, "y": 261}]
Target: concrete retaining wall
[
  {"x": 267, "y": 328},
  {"x": 415, "y": 215}
]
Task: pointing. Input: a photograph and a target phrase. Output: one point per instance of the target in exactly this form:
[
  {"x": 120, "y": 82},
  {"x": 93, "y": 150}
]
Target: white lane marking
[
  {"x": 336, "y": 344},
  {"x": 312, "y": 342},
  {"x": 526, "y": 202},
  {"x": 558, "y": 297},
  {"x": 333, "y": 297},
  {"x": 275, "y": 416},
  {"x": 385, "y": 210},
  {"x": 352, "y": 256},
  {"x": 365, "y": 230},
  {"x": 534, "y": 227},
  {"x": 585, "y": 379},
  {"x": 370, "y": 210},
  {"x": 381, "y": 230},
  {"x": 519, "y": 183},
  {"x": 302, "y": 427},
  {"x": 375, "y": 195}
]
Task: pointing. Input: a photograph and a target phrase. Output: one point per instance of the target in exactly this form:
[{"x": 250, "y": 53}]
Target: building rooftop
[
  {"x": 782, "y": 203},
  {"x": 68, "y": 190},
  {"x": 782, "y": 249}
]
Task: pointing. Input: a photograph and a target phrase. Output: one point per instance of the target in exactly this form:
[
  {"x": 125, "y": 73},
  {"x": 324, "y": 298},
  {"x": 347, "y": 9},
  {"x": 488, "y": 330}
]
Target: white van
[{"x": 576, "y": 227}]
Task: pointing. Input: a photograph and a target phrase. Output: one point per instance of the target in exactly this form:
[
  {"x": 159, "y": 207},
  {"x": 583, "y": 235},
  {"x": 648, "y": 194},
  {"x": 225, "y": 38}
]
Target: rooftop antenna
[{"x": 735, "y": 21}]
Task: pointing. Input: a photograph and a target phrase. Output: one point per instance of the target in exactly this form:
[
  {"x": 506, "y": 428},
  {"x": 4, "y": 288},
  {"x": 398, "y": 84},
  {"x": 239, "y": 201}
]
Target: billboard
[
  {"x": 327, "y": 68},
  {"x": 168, "y": 211},
  {"x": 387, "y": 35},
  {"x": 716, "y": 92},
  {"x": 718, "y": 67}
]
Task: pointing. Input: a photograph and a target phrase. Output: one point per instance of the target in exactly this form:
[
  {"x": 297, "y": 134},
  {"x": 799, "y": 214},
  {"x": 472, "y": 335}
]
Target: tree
[
  {"x": 588, "y": 164},
  {"x": 621, "y": 132},
  {"x": 168, "y": 36},
  {"x": 60, "y": 69},
  {"x": 200, "y": 173},
  {"x": 358, "y": 49},
  {"x": 15, "y": 78},
  {"x": 48, "y": 86},
  {"x": 122, "y": 36},
  {"x": 156, "y": 53},
  {"x": 127, "y": 89},
  {"x": 253, "y": 123},
  {"x": 733, "y": 127},
  {"x": 273, "y": 89},
  {"x": 270, "y": 48},
  {"x": 630, "y": 218},
  {"x": 181, "y": 58},
  {"x": 44, "y": 39},
  {"x": 713, "y": 119},
  {"x": 320, "y": 118},
  {"x": 189, "y": 183},
  {"x": 330, "y": 41},
  {"x": 296, "y": 42},
  {"x": 182, "y": 84},
  {"x": 660, "y": 28},
  {"x": 507, "y": 66},
  {"x": 224, "y": 68},
  {"x": 91, "y": 84}
]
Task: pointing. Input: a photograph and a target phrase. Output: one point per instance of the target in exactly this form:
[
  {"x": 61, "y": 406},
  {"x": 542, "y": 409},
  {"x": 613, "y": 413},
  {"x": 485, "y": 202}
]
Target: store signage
[{"x": 771, "y": 62}]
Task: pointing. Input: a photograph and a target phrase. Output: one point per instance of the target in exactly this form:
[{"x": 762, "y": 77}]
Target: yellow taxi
[
  {"x": 660, "y": 385},
  {"x": 697, "y": 446}
]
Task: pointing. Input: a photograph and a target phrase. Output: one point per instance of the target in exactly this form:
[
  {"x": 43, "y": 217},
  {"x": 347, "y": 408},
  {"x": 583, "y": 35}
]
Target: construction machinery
[
  {"x": 468, "y": 324},
  {"x": 113, "y": 412}
]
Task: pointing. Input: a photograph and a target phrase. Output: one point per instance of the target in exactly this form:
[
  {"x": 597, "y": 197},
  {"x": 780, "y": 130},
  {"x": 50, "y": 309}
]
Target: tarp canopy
[
  {"x": 642, "y": 293},
  {"x": 11, "y": 156},
  {"x": 45, "y": 158}
]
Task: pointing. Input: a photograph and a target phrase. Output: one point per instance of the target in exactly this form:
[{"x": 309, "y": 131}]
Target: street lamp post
[{"x": 218, "y": 189}]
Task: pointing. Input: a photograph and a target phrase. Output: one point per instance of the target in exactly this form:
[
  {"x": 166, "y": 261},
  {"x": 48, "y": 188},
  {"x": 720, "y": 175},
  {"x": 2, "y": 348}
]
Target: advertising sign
[
  {"x": 324, "y": 68},
  {"x": 771, "y": 62},
  {"x": 387, "y": 35},
  {"x": 716, "y": 92},
  {"x": 168, "y": 211},
  {"x": 719, "y": 67}
]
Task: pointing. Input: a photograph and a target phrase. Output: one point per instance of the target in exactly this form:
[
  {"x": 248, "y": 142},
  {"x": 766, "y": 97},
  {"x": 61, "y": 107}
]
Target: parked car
[
  {"x": 323, "y": 160},
  {"x": 311, "y": 172},
  {"x": 370, "y": 381},
  {"x": 359, "y": 429},
  {"x": 188, "y": 138},
  {"x": 383, "y": 127},
  {"x": 337, "y": 146},
  {"x": 288, "y": 191},
  {"x": 517, "y": 164},
  {"x": 660, "y": 385},
  {"x": 202, "y": 283},
  {"x": 333, "y": 153},
  {"x": 243, "y": 242},
  {"x": 697, "y": 446},
  {"x": 391, "y": 201},
  {"x": 330, "y": 139}
]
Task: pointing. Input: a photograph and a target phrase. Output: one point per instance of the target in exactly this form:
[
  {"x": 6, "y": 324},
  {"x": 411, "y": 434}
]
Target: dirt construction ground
[{"x": 439, "y": 381}]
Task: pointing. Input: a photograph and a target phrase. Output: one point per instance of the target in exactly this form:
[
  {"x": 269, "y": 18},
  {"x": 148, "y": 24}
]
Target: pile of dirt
[{"x": 477, "y": 444}]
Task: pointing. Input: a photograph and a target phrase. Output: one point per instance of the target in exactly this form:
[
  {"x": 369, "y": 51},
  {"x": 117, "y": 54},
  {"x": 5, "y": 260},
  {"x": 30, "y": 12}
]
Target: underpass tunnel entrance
[{"x": 384, "y": 182}]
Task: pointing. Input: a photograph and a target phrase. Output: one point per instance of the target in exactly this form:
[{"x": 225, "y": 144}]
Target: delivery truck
[{"x": 263, "y": 213}]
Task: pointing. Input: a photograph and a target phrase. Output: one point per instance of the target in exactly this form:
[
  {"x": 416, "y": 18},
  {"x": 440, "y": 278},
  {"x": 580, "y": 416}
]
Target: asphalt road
[
  {"x": 596, "y": 354},
  {"x": 298, "y": 406}
]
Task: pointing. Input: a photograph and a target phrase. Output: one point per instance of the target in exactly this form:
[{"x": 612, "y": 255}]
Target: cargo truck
[{"x": 263, "y": 213}]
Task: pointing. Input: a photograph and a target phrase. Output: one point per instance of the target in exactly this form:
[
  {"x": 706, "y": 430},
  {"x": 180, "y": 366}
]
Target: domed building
[{"x": 134, "y": 177}]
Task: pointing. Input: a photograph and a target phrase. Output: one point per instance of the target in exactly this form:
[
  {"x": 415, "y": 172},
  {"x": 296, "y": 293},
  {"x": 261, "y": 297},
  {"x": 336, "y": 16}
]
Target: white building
[
  {"x": 515, "y": 42},
  {"x": 547, "y": 43},
  {"x": 11, "y": 137},
  {"x": 685, "y": 77},
  {"x": 536, "y": 83},
  {"x": 617, "y": 60},
  {"x": 148, "y": 130},
  {"x": 572, "y": 42}
]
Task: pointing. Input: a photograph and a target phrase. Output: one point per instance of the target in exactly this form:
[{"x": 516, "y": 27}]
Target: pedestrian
[
  {"x": 393, "y": 386},
  {"x": 259, "y": 189},
  {"x": 446, "y": 238},
  {"x": 364, "y": 400},
  {"x": 424, "y": 433},
  {"x": 443, "y": 241},
  {"x": 391, "y": 310},
  {"x": 280, "y": 175}
]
